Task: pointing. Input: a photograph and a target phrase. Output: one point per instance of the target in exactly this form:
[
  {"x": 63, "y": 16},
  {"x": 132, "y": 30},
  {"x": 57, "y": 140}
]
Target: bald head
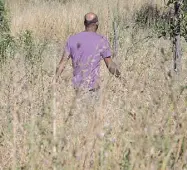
[{"x": 90, "y": 19}]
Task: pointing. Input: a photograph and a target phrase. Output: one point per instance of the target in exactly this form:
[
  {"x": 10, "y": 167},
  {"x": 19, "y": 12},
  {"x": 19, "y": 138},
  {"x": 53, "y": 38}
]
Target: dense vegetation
[{"x": 139, "y": 122}]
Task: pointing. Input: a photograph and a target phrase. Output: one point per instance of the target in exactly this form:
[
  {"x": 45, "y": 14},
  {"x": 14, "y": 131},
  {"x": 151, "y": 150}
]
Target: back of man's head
[{"x": 90, "y": 19}]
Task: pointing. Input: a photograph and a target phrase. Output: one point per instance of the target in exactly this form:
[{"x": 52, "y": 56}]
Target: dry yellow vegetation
[{"x": 139, "y": 122}]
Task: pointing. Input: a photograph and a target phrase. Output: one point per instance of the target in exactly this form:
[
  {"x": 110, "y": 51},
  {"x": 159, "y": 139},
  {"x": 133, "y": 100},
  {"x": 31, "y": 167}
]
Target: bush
[
  {"x": 6, "y": 46},
  {"x": 158, "y": 19},
  {"x": 6, "y": 40},
  {"x": 4, "y": 26}
]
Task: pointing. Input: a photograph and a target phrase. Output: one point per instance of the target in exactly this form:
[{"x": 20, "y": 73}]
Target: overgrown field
[{"x": 139, "y": 122}]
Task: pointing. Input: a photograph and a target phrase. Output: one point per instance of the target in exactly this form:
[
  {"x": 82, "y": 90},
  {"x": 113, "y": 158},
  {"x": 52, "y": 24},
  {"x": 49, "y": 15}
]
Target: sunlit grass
[{"x": 138, "y": 123}]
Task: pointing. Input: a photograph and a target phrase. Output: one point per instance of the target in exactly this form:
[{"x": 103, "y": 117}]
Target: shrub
[
  {"x": 6, "y": 40},
  {"x": 158, "y": 19},
  {"x": 4, "y": 26}
]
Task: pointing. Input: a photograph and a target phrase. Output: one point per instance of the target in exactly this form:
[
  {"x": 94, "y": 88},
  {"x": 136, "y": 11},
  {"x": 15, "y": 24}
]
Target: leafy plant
[
  {"x": 6, "y": 45},
  {"x": 6, "y": 40},
  {"x": 170, "y": 21},
  {"x": 4, "y": 26}
]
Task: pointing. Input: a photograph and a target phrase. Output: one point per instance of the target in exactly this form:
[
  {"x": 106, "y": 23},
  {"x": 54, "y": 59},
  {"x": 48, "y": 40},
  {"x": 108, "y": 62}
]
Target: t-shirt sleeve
[{"x": 105, "y": 49}]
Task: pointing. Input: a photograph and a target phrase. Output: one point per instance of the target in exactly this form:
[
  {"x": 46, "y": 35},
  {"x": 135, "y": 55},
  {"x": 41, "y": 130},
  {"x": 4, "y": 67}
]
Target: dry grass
[
  {"x": 52, "y": 19},
  {"x": 139, "y": 122}
]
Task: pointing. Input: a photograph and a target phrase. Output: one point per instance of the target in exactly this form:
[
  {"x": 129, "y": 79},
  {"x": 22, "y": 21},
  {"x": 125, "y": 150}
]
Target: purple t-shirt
[{"x": 87, "y": 49}]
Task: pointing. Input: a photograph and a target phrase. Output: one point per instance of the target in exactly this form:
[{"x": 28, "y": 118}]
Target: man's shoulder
[
  {"x": 72, "y": 36},
  {"x": 85, "y": 34},
  {"x": 101, "y": 36},
  {"x": 76, "y": 34}
]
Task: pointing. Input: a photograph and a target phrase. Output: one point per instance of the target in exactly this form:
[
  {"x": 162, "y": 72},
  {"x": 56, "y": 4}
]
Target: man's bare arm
[
  {"x": 62, "y": 65},
  {"x": 112, "y": 67}
]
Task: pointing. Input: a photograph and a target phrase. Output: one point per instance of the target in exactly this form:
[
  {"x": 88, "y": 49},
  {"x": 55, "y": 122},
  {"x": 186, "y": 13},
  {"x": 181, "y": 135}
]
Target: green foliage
[
  {"x": 152, "y": 17},
  {"x": 183, "y": 19},
  {"x": 6, "y": 40},
  {"x": 164, "y": 21},
  {"x": 125, "y": 164},
  {"x": 31, "y": 48},
  {"x": 28, "y": 46},
  {"x": 6, "y": 46},
  {"x": 4, "y": 26}
]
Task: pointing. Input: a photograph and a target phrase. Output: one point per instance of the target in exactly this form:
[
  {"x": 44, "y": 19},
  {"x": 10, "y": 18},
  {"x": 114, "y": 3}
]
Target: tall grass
[{"x": 139, "y": 122}]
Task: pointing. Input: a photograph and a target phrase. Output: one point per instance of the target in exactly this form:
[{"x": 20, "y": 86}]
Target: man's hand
[{"x": 112, "y": 67}]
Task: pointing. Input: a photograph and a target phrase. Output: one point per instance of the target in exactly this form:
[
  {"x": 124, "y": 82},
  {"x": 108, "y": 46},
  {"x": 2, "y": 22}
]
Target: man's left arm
[
  {"x": 112, "y": 67},
  {"x": 106, "y": 54}
]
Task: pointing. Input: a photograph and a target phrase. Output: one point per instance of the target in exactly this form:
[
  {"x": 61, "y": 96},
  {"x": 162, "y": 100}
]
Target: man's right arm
[
  {"x": 112, "y": 67},
  {"x": 62, "y": 65},
  {"x": 65, "y": 57}
]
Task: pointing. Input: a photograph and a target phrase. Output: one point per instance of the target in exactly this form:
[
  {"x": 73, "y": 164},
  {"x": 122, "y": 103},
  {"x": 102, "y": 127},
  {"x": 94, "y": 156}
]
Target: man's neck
[{"x": 90, "y": 30}]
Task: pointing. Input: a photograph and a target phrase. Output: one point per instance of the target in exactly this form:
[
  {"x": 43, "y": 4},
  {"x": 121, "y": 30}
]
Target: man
[{"x": 87, "y": 49}]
